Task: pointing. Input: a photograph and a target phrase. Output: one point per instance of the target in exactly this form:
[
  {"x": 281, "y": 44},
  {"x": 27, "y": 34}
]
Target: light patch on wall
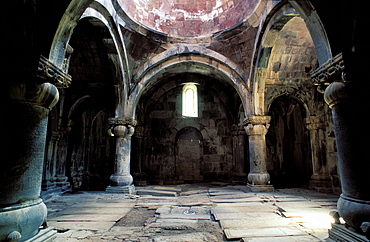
[{"x": 189, "y": 100}]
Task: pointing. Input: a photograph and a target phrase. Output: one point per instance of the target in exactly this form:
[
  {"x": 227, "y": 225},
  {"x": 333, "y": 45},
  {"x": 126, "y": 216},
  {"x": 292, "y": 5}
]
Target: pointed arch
[{"x": 103, "y": 14}]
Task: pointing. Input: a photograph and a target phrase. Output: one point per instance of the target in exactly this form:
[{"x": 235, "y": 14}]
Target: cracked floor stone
[{"x": 196, "y": 213}]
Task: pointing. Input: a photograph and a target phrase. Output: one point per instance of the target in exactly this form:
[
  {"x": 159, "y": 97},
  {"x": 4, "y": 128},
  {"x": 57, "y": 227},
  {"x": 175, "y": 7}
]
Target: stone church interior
[{"x": 111, "y": 95}]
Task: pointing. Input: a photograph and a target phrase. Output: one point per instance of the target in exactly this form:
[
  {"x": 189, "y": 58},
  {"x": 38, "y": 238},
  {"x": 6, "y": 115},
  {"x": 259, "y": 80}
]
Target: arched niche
[
  {"x": 154, "y": 147},
  {"x": 288, "y": 144},
  {"x": 188, "y": 155}
]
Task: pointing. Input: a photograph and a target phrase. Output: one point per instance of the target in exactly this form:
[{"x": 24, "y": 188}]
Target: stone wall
[{"x": 185, "y": 149}]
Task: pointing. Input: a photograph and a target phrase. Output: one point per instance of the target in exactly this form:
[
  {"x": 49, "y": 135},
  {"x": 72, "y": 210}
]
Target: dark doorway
[
  {"x": 288, "y": 146},
  {"x": 189, "y": 150}
]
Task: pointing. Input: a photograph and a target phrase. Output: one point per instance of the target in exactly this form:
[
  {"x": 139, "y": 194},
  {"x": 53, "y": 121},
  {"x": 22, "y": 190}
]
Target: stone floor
[{"x": 192, "y": 213}]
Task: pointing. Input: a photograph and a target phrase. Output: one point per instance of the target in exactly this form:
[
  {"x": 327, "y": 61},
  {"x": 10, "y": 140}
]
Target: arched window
[{"x": 189, "y": 100}]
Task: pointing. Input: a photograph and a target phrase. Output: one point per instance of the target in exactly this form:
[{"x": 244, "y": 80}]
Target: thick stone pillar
[
  {"x": 354, "y": 202},
  {"x": 352, "y": 139},
  {"x": 256, "y": 128},
  {"x": 23, "y": 133},
  {"x": 320, "y": 179},
  {"x": 121, "y": 179},
  {"x": 23, "y": 136}
]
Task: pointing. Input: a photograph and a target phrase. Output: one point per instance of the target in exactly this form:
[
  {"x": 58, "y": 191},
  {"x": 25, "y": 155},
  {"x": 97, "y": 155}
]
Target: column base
[
  {"x": 260, "y": 188},
  {"x": 47, "y": 234},
  {"x": 339, "y": 232},
  {"x": 121, "y": 189},
  {"x": 353, "y": 211},
  {"x": 13, "y": 223}
]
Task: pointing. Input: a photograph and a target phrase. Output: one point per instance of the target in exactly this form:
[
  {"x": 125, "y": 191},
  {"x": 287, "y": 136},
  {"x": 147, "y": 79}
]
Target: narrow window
[{"x": 189, "y": 101}]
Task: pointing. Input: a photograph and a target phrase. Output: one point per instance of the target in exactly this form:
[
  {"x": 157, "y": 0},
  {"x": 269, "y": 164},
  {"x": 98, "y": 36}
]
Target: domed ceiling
[{"x": 187, "y": 18}]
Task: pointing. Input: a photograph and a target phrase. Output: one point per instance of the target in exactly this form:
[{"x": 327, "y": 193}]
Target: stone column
[
  {"x": 23, "y": 136},
  {"x": 354, "y": 202},
  {"x": 23, "y": 144},
  {"x": 348, "y": 105},
  {"x": 256, "y": 128},
  {"x": 320, "y": 179},
  {"x": 121, "y": 179}
]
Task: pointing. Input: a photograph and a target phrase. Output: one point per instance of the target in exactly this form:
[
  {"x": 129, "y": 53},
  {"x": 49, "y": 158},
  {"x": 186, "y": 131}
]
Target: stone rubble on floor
[{"x": 195, "y": 213}]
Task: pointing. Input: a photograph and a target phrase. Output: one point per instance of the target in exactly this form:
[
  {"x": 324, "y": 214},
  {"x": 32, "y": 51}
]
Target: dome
[{"x": 188, "y": 18}]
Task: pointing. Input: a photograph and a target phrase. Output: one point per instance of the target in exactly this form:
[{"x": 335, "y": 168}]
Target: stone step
[{"x": 155, "y": 192}]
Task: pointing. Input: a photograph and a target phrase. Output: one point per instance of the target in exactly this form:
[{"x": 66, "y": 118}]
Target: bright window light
[{"x": 189, "y": 100}]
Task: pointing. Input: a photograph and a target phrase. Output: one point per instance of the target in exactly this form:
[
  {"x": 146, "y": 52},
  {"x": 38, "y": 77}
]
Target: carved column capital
[
  {"x": 123, "y": 127},
  {"x": 51, "y": 73},
  {"x": 122, "y": 121},
  {"x": 331, "y": 80},
  {"x": 257, "y": 125},
  {"x": 330, "y": 71}
]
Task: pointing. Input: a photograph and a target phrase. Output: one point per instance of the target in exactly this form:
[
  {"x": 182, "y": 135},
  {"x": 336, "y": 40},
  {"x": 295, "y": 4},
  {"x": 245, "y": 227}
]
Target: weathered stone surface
[
  {"x": 264, "y": 232},
  {"x": 191, "y": 237},
  {"x": 255, "y": 223},
  {"x": 84, "y": 225}
]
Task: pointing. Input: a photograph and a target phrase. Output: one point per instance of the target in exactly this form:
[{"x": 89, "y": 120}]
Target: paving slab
[
  {"x": 188, "y": 237},
  {"x": 237, "y": 204},
  {"x": 255, "y": 207},
  {"x": 87, "y": 217},
  {"x": 198, "y": 210},
  {"x": 246, "y": 215},
  {"x": 102, "y": 204},
  {"x": 300, "y": 238},
  {"x": 155, "y": 192},
  {"x": 256, "y": 223},
  {"x": 236, "y": 200},
  {"x": 95, "y": 226},
  {"x": 175, "y": 224},
  {"x": 125, "y": 229},
  {"x": 101, "y": 210},
  {"x": 155, "y": 204},
  {"x": 221, "y": 216},
  {"x": 193, "y": 192},
  {"x": 262, "y": 232},
  {"x": 168, "y": 188},
  {"x": 185, "y": 216}
]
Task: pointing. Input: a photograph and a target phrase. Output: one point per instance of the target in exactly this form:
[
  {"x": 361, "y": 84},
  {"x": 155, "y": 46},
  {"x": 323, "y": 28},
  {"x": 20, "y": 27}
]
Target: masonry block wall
[{"x": 181, "y": 149}]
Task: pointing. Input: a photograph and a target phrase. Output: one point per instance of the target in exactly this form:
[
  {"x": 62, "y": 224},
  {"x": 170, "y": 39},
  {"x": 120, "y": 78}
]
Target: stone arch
[
  {"x": 300, "y": 96},
  {"x": 192, "y": 59},
  {"x": 101, "y": 17},
  {"x": 63, "y": 34},
  {"x": 274, "y": 22},
  {"x": 77, "y": 104}
]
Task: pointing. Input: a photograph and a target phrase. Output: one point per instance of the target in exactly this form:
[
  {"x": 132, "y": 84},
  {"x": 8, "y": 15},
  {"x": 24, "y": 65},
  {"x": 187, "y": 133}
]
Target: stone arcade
[{"x": 109, "y": 95}]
